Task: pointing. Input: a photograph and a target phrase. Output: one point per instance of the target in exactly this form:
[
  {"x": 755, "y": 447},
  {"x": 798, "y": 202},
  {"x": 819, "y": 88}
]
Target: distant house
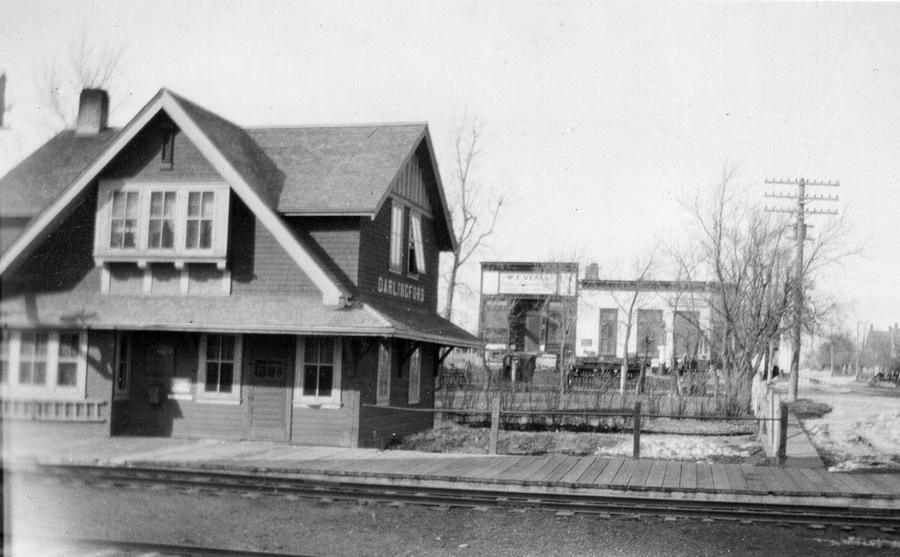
[
  {"x": 183, "y": 276},
  {"x": 881, "y": 350}
]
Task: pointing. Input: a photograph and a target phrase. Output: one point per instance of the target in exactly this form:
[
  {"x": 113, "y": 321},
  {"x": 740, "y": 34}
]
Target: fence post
[
  {"x": 637, "y": 430},
  {"x": 782, "y": 433},
  {"x": 495, "y": 424}
]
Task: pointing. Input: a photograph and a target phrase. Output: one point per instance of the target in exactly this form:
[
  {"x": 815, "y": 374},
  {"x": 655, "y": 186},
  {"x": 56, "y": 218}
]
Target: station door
[{"x": 268, "y": 368}]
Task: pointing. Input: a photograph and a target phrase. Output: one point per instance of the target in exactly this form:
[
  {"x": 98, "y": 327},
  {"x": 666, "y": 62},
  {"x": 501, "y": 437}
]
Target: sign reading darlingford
[{"x": 403, "y": 290}]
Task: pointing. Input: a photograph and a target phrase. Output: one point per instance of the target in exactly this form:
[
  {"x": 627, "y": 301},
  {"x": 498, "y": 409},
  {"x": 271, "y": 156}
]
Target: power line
[{"x": 800, "y": 228}]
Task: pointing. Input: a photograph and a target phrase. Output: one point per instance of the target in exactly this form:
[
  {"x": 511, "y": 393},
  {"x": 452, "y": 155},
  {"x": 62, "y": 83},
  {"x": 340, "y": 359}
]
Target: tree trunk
[{"x": 451, "y": 286}]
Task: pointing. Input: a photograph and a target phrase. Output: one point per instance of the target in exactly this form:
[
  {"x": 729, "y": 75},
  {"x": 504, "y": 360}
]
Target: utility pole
[{"x": 800, "y": 228}]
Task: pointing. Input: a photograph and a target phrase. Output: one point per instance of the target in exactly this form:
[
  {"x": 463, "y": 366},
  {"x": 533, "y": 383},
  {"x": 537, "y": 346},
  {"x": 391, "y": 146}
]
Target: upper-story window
[
  {"x": 396, "y": 237},
  {"x": 416, "y": 255},
  {"x": 406, "y": 234},
  {"x": 167, "y": 154},
  {"x": 162, "y": 222}
]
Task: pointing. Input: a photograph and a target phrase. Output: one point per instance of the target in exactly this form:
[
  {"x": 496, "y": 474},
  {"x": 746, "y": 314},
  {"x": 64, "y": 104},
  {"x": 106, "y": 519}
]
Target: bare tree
[
  {"x": 559, "y": 310},
  {"x": 748, "y": 254},
  {"x": 89, "y": 64},
  {"x": 473, "y": 209},
  {"x": 629, "y": 301}
]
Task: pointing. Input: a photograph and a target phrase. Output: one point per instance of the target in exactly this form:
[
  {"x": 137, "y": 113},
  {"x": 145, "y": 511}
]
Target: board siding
[
  {"x": 374, "y": 260},
  {"x": 335, "y": 241},
  {"x": 140, "y": 159},
  {"x": 380, "y": 427}
]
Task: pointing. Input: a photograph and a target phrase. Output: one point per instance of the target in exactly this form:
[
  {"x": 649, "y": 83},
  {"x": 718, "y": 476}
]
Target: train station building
[{"x": 183, "y": 276}]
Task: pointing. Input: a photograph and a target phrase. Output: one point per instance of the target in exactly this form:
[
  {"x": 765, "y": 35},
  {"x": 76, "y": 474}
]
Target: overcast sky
[{"x": 599, "y": 117}]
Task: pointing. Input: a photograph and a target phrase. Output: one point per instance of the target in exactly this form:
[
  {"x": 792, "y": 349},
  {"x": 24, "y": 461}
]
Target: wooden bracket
[
  {"x": 408, "y": 354},
  {"x": 445, "y": 354}
]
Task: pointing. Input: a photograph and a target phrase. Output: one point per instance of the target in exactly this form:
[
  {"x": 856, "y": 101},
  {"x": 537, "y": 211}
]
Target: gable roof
[
  {"x": 226, "y": 147},
  {"x": 304, "y": 171},
  {"x": 38, "y": 180}
]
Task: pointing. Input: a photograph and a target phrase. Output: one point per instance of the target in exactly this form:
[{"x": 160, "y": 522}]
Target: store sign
[
  {"x": 402, "y": 290},
  {"x": 536, "y": 283}
]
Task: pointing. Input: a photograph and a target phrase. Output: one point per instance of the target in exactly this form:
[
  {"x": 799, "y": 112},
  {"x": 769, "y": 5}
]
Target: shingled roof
[
  {"x": 295, "y": 170},
  {"x": 35, "y": 182}
]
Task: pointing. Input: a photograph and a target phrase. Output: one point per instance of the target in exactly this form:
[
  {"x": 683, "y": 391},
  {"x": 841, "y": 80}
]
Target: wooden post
[
  {"x": 495, "y": 424},
  {"x": 782, "y": 433},
  {"x": 637, "y": 430}
]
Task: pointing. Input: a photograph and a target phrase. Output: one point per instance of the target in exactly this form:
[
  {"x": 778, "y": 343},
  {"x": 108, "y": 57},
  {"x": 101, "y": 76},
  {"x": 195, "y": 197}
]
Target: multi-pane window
[
  {"x": 167, "y": 154},
  {"x": 220, "y": 360},
  {"x": 383, "y": 389},
  {"x": 318, "y": 366},
  {"x": 67, "y": 359},
  {"x": 43, "y": 363},
  {"x": 397, "y": 237},
  {"x": 416, "y": 256},
  {"x": 123, "y": 225},
  {"x": 33, "y": 358},
  {"x": 201, "y": 213},
  {"x": 162, "y": 220},
  {"x": 415, "y": 376},
  {"x": 608, "y": 328}
]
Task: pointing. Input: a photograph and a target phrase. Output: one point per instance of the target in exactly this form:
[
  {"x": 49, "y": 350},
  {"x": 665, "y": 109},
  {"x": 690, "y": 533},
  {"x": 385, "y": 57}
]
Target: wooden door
[
  {"x": 533, "y": 331},
  {"x": 268, "y": 367}
]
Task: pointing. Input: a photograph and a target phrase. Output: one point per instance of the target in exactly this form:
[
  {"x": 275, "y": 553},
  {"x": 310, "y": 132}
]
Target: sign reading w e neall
[{"x": 535, "y": 283}]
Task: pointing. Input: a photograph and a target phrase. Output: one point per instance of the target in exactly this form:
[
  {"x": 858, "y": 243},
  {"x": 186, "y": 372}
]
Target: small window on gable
[
  {"x": 397, "y": 237},
  {"x": 416, "y": 246},
  {"x": 167, "y": 154}
]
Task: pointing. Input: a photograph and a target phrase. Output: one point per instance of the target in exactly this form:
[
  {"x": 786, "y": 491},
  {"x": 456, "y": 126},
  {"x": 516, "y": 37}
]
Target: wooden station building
[{"x": 186, "y": 277}]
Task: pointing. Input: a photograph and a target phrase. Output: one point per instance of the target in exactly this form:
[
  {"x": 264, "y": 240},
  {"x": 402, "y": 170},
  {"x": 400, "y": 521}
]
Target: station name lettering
[{"x": 399, "y": 289}]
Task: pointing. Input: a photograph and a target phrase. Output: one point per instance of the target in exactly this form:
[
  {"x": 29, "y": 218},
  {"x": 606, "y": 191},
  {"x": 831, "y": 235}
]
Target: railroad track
[
  {"x": 242, "y": 483},
  {"x": 107, "y": 548}
]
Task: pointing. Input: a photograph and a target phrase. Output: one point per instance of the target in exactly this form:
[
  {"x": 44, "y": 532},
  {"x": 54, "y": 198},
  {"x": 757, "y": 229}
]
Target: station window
[
  {"x": 396, "y": 237},
  {"x": 416, "y": 255},
  {"x": 167, "y": 153},
  {"x": 415, "y": 376},
  {"x": 383, "y": 390},
  {"x": 43, "y": 364},
  {"x": 219, "y": 375},
  {"x": 158, "y": 222},
  {"x": 319, "y": 372}
]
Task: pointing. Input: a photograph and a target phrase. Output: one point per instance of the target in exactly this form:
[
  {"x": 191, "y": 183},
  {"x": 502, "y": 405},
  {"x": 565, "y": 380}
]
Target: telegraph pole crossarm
[{"x": 800, "y": 212}]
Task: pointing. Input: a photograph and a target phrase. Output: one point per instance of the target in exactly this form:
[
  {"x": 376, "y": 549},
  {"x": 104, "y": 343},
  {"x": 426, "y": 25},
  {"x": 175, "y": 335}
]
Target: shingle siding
[
  {"x": 334, "y": 240},
  {"x": 259, "y": 264},
  {"x": 140, "y": 159}
]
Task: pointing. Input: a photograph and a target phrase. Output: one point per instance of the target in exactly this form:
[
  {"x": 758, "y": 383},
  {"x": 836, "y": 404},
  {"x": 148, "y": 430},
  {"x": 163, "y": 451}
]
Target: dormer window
[
  {"x": 162, "y": 222},
  {"x": 123, "y": 224}
]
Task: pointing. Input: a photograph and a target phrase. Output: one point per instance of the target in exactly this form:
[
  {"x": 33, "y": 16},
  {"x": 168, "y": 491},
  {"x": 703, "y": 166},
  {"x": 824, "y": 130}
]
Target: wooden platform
[{"x": 557, "y": 473}]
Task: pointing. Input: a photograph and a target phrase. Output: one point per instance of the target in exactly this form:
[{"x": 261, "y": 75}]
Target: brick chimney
[
  {"x": 93, "y": 111},
  {"x": 592, "y": 272}
]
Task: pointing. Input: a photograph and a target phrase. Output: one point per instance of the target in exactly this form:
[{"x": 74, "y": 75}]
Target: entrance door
[
  {"x": 533, "y": 331},
  {"x": 268, "y": 365}
]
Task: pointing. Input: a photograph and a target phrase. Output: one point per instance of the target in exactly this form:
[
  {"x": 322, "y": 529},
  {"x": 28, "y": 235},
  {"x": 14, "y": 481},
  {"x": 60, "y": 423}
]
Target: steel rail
[
  {"x": 622, "y": 505},
  {"x": 90, "y": 546}
]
